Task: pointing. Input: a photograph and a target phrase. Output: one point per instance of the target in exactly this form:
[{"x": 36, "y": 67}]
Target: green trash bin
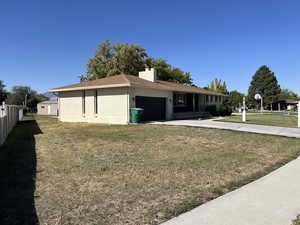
[{"x": 136, "y": 115}]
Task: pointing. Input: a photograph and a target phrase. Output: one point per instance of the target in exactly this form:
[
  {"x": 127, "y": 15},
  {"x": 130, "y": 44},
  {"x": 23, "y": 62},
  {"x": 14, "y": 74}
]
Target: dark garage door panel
[{"x": 154, "y": 107}]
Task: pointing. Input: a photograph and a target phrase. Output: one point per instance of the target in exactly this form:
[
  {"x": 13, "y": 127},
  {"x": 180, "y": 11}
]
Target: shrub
[
  {"x": 212, "y": 109},
  {"x": 224, "y": 110},
  {"x": 220, "y": 110}
]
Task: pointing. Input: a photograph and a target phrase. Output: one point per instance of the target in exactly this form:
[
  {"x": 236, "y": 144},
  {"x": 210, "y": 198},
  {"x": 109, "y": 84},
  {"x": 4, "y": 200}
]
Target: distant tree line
[
  {"x": 123, "y": 58},
  {"x": 21, "y": 95},
  {"x": 264, "y": 82}
]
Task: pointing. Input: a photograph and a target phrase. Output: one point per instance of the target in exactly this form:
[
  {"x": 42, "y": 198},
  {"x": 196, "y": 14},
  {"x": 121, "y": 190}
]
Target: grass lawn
[
  {"x": 266, "y": 119},
  {"x": 76, "y": 173}
]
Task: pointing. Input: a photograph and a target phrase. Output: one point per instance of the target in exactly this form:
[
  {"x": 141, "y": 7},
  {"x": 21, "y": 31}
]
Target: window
[
  {"x": 96, "y": 102},
  {"x": 207, "y": 99},
  {"x": 42, "y": 107},
  {"x": 180, "y": 100},
  {"x": 83, "y": 102}
]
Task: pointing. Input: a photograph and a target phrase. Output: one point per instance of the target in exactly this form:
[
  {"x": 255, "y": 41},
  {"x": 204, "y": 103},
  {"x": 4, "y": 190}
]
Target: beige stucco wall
[
  {"x": 112, "y": 106},
  {"x": 42, "y": 109},
  {"x": 154, "y": 93}
]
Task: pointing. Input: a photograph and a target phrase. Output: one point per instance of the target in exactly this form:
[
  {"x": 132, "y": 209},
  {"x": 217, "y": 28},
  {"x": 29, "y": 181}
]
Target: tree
[
  {"x": 166, "y": 72},
  {"x": 218, "y": 85},
  {"x": 264, "y": 82},
  {"x": 123, "y": 58},
  {"x": 235, "y": 99},
  {"x": 115, "y": 59},
  {"x": 24, "y": 95},
  {"x": 3, "y": 92},
  {"x": 287, "y": 94},
  {"x": 41, "y": 98}
]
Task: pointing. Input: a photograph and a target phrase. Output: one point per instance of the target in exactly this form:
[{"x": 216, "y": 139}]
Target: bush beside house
[{"x": 220, "y": 110}]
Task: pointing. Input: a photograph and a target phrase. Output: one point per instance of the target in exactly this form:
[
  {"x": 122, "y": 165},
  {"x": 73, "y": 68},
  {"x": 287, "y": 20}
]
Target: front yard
[
  {"x": 279, "y": 120},
  {"x": 75, "y": 173}
]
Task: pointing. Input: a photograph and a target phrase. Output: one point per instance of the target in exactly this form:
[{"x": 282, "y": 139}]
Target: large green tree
[
  {"x": 235, "y": 99},
  {"x": 111, "y": 59},
  {"x": 123, "y": 58},
  {"x": 3, "y": 92},
  {"x": 166, "y": 72},
  {"x": 218, "y": 85},
  {"x": 264, "y": 82}
]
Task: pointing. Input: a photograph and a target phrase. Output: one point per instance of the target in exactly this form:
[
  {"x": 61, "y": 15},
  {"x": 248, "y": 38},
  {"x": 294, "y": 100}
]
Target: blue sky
[{"x": 45, "y": 44}]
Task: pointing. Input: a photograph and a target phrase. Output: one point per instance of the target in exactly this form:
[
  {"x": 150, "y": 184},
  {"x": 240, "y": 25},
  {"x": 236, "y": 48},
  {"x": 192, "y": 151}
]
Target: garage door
[{"x": 154, "y": 108}]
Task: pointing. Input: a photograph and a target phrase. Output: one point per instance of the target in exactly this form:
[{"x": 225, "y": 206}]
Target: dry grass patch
[{"x": 96, "y": 174}]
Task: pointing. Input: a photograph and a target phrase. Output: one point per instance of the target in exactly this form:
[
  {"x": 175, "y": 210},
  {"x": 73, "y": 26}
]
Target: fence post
[{"x": 20, "y": 114}]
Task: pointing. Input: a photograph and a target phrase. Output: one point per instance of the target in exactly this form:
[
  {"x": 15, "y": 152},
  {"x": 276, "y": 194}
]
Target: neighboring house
[
  {"x": 48, "y": 107},
  {"x": 287, "y": 104},
  {"x": 108, "y": 100}
]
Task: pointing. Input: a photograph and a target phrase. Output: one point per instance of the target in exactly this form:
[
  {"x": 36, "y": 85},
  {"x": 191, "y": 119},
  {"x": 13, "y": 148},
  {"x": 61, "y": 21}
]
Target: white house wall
[
  {"x": 112, "y": 106},
  {"x": 42, "y": 109}
]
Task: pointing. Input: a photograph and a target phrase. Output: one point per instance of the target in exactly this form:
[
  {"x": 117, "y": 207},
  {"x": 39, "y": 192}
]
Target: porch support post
[
  {"x": 193, "y": 102},
  {"x": 279, "y": 107}
]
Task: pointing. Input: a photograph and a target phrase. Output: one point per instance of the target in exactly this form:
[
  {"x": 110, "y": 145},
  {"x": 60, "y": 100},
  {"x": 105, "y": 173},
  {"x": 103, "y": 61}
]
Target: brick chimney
[{"x": 148, "y": 74}]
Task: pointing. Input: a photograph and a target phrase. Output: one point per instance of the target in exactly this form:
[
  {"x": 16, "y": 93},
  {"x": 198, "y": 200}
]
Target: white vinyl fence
[{"x": 9, "y": 116}]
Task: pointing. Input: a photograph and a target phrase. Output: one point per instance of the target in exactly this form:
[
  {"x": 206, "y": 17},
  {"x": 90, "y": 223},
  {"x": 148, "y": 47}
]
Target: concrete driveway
[{"x": 252, "y": 128}]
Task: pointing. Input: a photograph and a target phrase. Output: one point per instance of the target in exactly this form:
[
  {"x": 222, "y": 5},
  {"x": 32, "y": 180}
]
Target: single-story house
[
  {"x": 109, "y": 100},
  {"x": 48, "y": 107},
  {"x": 286, "y": 104}
]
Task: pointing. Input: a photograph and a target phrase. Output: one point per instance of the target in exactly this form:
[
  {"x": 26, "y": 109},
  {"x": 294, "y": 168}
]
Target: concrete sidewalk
[
  {"x": 271, "y": 200},
  {"x": 260, "y": 129}
]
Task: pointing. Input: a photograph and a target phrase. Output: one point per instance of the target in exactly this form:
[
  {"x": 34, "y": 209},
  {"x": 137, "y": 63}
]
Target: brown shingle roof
[{"x": 134, "y": 81}]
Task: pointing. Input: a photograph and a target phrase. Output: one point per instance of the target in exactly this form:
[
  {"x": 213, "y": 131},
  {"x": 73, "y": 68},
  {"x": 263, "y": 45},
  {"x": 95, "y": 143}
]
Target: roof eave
[
  {"x": 89, "y": 87},
  {"x": 175, "y": 89},
  {"x": 130, "y": 85}
]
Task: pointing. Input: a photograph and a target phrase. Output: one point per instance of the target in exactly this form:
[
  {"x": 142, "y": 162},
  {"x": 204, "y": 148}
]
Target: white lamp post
[{"x": 244, "y": 110}]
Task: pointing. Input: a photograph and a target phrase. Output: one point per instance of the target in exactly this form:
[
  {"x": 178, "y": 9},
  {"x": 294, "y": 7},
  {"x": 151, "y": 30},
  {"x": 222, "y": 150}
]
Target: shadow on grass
[{"x": 17, "y": 175}]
